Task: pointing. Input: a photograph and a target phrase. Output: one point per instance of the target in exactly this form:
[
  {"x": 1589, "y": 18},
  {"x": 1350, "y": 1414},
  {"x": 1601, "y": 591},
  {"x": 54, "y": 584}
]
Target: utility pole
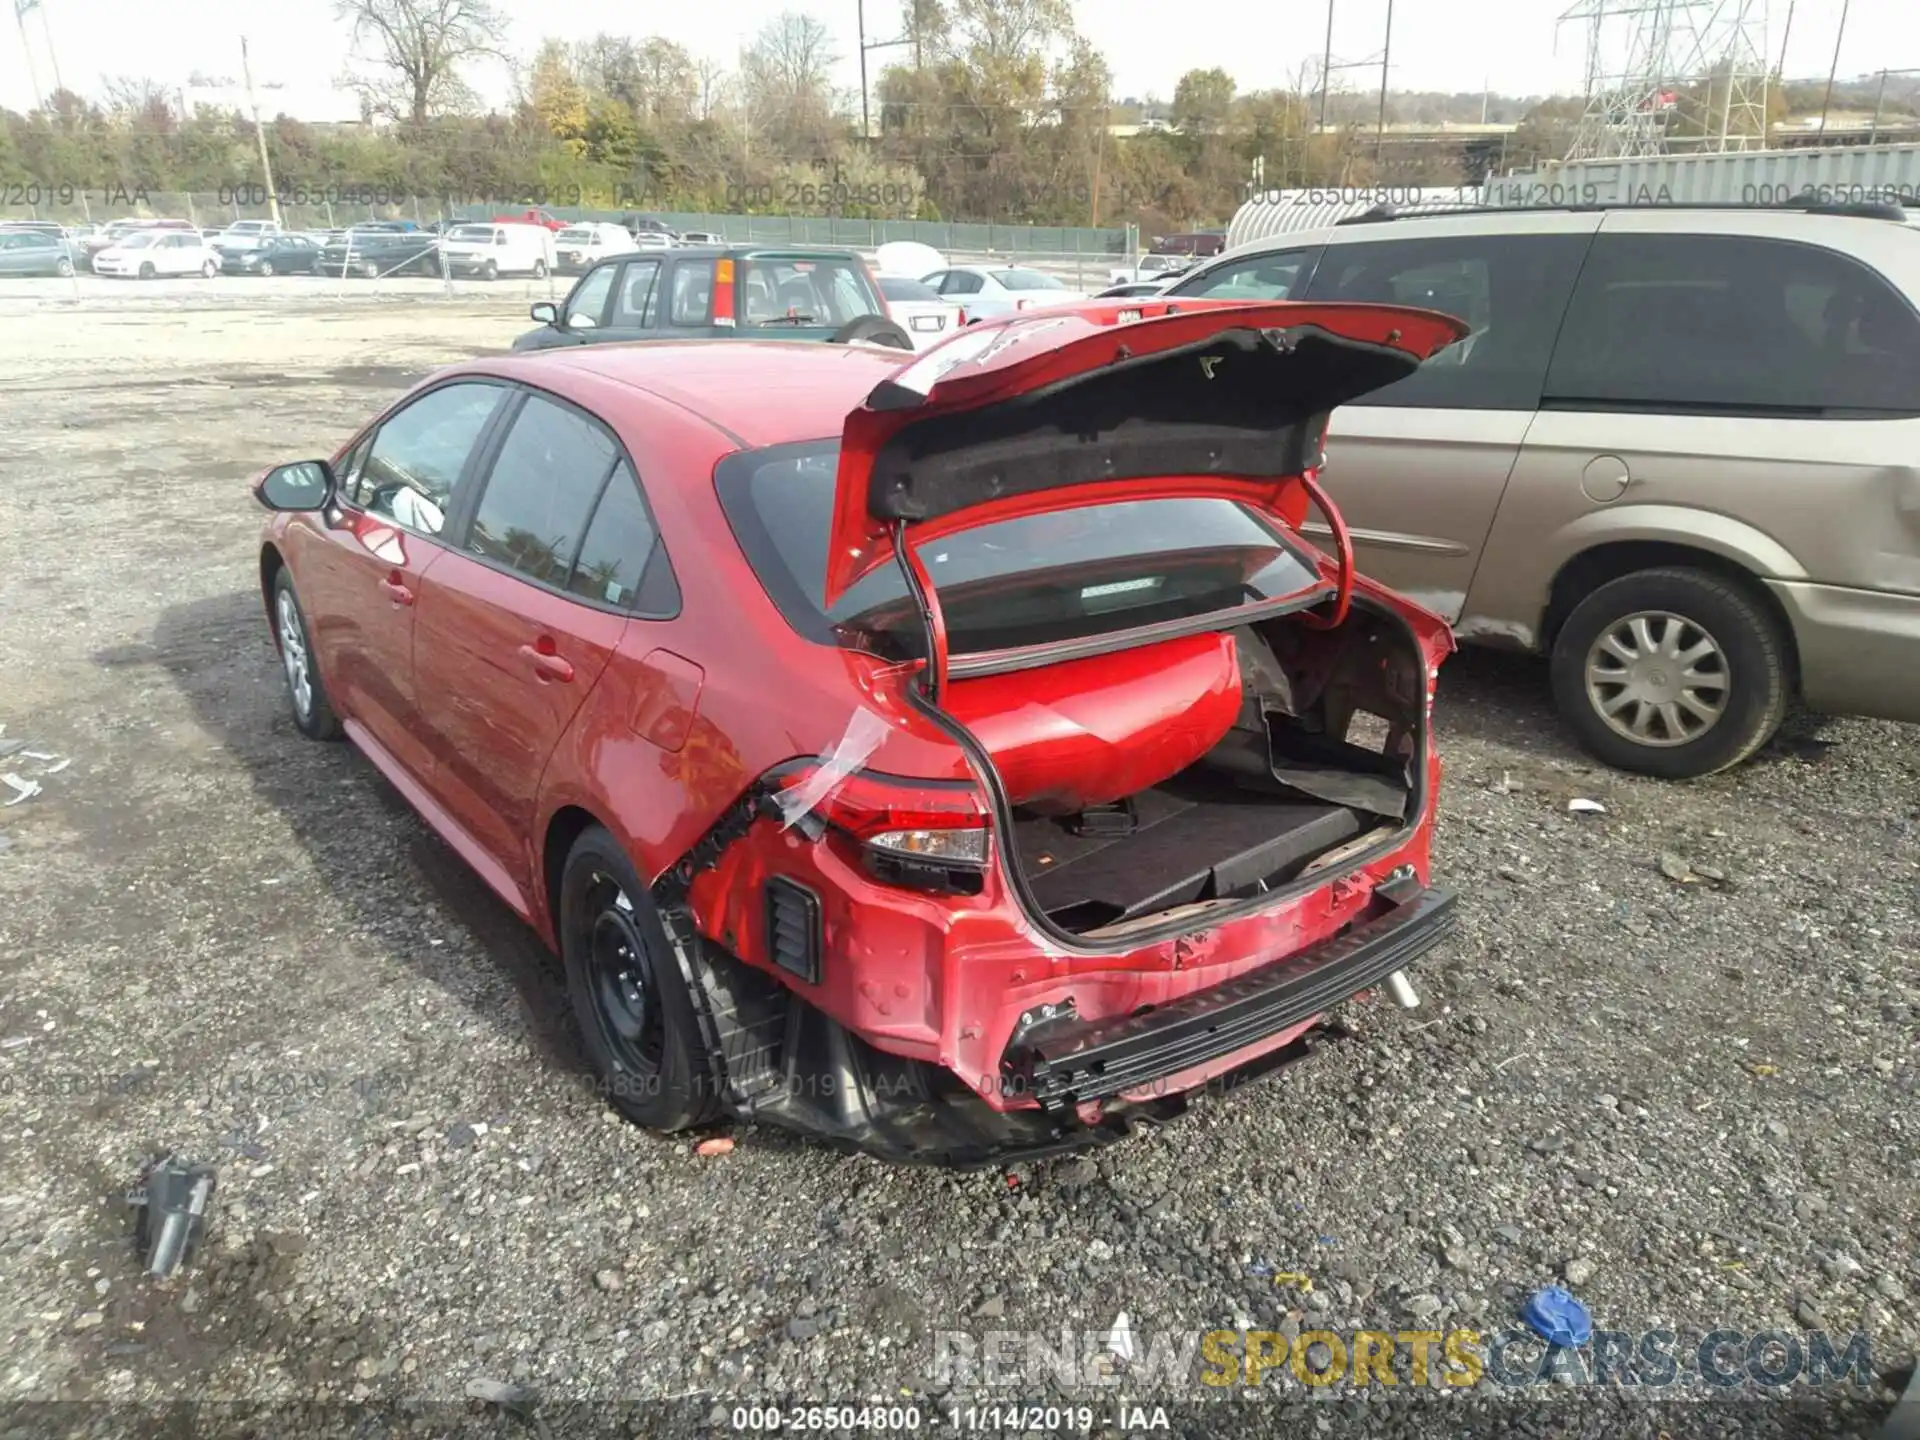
[
  {"x": 53, "y": 58},
  {"x": 860, "y": 19},
  {"x": 1834, "y": 69},
  {"x": 259, "y": 133},
  {"x": 1326, "y": 67},
  {"x": 20, "y": 9},
  {"x": 1386, "y": 54}
]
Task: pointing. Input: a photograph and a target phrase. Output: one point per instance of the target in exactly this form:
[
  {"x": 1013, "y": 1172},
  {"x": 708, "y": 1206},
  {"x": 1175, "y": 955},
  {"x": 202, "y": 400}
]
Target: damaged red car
[{"x": 954, "y": 759}]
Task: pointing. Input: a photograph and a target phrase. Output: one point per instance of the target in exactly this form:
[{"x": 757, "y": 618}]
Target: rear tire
[
  {"x": 266, "y": 269},
  {"x": 64, "y": 269},
  {"x": 629, "y": 995},
  {"x": 312, "y": 711},
  {"x": 210, "y": 269},
  {"x": 147, "y": 272},
  {"x": 370, "y": 270},
  {"x": 1674, "y": 673},
  {"x": 539, "y": 269},
  {"x": 490, "y": 271}
]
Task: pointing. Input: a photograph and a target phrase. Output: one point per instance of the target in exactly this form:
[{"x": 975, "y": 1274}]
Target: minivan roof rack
[{"x": 1805, "y": 204}]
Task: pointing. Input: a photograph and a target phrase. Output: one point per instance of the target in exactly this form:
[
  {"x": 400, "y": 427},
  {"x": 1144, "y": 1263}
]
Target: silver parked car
[{"x": 1679, "y": 454}]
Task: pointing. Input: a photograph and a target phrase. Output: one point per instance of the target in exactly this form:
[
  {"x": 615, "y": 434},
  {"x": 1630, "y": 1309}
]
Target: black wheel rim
[{"x": 620, "y": 972}]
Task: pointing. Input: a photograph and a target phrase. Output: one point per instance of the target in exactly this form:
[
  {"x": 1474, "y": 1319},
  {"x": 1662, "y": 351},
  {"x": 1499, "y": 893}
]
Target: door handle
[
  {"x": 396, "y": 592},
  {"x": 547, "y": 665}
]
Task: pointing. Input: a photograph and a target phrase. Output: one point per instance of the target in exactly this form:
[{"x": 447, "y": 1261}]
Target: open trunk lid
[{"x": 1123, "y": 400}]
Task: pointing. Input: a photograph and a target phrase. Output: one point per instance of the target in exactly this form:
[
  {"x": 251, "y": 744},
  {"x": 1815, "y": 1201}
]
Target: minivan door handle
[{"x": 546, "y": 664}]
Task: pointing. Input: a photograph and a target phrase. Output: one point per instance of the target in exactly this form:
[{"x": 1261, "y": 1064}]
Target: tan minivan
[{"x": 1679, "y": 454}]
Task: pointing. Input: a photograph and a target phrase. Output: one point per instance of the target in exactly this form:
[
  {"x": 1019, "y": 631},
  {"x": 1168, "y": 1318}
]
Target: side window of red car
[
  {"x": 541, "y": 489},
  {"x": 420, "y": 452}
]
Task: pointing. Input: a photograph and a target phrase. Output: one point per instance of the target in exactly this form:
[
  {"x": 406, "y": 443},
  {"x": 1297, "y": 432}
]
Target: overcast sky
[{"x": 1511, "y": 45}]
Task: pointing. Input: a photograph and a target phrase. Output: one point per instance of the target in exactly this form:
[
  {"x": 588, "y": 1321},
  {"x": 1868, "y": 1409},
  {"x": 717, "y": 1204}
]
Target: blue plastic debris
[{"x": 1556, "y": 1317}]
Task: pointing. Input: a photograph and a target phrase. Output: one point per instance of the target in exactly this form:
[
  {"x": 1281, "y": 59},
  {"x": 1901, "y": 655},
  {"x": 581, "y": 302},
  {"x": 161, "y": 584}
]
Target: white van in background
[{"x": 493, "y": 250}]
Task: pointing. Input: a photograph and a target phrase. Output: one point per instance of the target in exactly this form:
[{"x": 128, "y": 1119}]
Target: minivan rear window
[{"x": 1031, "y": 581}]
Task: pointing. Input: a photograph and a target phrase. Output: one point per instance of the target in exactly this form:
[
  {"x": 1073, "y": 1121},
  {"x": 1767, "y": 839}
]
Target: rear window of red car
[{"x": 1030, "y": 581}]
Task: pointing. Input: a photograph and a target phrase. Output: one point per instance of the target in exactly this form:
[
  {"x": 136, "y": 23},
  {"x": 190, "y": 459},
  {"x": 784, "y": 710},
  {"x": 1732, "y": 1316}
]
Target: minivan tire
[
  {"x": 1683, "y": 608},
  {"x": 629, "y": 993}
]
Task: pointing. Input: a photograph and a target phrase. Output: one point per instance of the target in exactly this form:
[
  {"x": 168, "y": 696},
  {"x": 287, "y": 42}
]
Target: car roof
[{"x": 757, "y": 392}]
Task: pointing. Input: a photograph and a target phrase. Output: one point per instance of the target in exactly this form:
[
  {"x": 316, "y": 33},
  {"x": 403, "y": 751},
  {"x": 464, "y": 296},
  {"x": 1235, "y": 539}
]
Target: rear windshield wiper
[{"x": 789, "y": 320}]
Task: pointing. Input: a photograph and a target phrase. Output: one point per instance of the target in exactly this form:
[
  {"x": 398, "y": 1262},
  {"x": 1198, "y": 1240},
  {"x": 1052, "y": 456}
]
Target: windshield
[
  {"x": 139, "y": 240},
  {"x": 895, "y": 288},
  {"x": 577, "y": 235},
  {"x": 1026, "y": 280},
  {"x": 776, "y": 291},
  {"x": 1029, "y": 581}
]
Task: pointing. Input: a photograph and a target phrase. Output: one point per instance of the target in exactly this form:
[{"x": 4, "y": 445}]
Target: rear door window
[
  {"x": 1029, "y": 581},
  {"x": 636, "y": 297},
  {"x": 692, "y": 293},
  {"x": 542, "y": 487},
  {"x": 1728, "y": 324},
  {"x": 1512, "y": 289}
]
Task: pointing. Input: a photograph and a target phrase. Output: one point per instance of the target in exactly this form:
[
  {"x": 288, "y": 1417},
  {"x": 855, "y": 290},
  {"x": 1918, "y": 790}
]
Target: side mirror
[
  {"x": 303, "y": 485},
  {"x": 546, "y": 312}
]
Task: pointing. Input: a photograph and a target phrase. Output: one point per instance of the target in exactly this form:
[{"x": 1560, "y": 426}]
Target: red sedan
[{"x": 954, "y": 759}]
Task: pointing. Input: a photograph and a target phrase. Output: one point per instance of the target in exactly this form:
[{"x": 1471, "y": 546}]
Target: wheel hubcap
[
  {"x": 1657, "y": 678},
  {"x": 293, "y": 654}
]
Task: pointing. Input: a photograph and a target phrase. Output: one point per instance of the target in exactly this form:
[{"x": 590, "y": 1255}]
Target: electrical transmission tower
[{"x": 1672, "y": 76}]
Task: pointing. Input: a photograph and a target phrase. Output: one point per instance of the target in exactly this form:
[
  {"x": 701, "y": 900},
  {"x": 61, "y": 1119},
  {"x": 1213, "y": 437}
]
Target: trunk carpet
[{"x": 1193, "y": 843}]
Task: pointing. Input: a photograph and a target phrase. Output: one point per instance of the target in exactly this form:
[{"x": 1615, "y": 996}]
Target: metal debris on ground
[
  {"x": 1299, "y": 1280},
  {"x": 23, "y": 789},
  {"x": 1557, "y": 1318},
  {"x": 174, "y": 1198},
  {"x": 1582, "y": 806}
]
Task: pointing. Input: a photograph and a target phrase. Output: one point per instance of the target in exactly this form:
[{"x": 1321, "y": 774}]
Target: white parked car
[
  {"x": 146, "y": 254},
  {"x": 246, "y": 234},
  {"x": 491, "y": 251},
  {"x": 652, "y": 240},
  {"x": 701, "y": 237},
  {"x": 918, "y": 309},
  {"x": 578, "y": 246},
  {"x": 987, "y": 292},
  {"x": 1149, "y": 268}
]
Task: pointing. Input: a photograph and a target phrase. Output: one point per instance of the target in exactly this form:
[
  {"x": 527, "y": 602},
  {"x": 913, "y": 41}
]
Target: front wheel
[
  {"x": 1674, "y": 673},
  {"x": 312, "y": 711},
  {"x": 147, "y": 272},
  {"x": 629, "y": 993},
  {"x": 210, "y": 269},
  {"x": 266, "y": 268},
  {"x": 65, "y": 269},
  {"x": 370, "y": 270},
  {"x": 539, "y": 269},
  {"x": 490, "y": 271}
]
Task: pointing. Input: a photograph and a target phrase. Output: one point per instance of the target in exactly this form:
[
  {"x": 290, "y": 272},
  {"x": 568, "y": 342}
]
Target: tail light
[
  {"x": 723, "y": 312},
  {"x": 920, "y": 833},
  {"x": 962, "y": 320}
]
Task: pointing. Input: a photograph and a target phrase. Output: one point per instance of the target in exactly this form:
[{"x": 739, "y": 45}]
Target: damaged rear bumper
[
  {"x": 1066, "y": 1064},
  {"x": 782, "y": 1061}
]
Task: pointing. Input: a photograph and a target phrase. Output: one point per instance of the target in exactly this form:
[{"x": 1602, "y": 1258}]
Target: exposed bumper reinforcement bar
[{"x": 1078, "y": 1061}]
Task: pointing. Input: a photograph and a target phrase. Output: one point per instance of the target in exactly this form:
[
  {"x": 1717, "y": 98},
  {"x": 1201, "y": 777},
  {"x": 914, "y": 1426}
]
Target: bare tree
[
  {"x": 711, "y": 78},
  {"x": 415, "y": 49},
  {"x": 786, "y": 81}
]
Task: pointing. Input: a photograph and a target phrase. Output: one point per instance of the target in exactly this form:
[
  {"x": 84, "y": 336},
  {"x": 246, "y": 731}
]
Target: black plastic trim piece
[
  {"x": 791, "y": 905},
  {"x": 1071, "y": 1064}
]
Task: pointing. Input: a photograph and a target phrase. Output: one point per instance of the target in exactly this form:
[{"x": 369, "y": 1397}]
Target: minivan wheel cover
[
  {"x": 293, "y": 654},
  {"x": 1658, "y": 679}
]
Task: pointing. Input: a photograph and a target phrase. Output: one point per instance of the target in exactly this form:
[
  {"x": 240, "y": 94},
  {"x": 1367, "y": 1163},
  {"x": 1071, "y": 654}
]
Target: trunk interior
[{"x": 1321, "y": 763}]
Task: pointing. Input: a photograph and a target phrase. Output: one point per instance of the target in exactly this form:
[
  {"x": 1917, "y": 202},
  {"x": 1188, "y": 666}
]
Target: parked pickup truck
[{"x": 531, "y": 216}]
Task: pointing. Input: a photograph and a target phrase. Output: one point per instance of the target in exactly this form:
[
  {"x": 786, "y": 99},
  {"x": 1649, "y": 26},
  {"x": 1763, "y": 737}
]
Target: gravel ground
[{"x": 1670, "y": 1058}]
